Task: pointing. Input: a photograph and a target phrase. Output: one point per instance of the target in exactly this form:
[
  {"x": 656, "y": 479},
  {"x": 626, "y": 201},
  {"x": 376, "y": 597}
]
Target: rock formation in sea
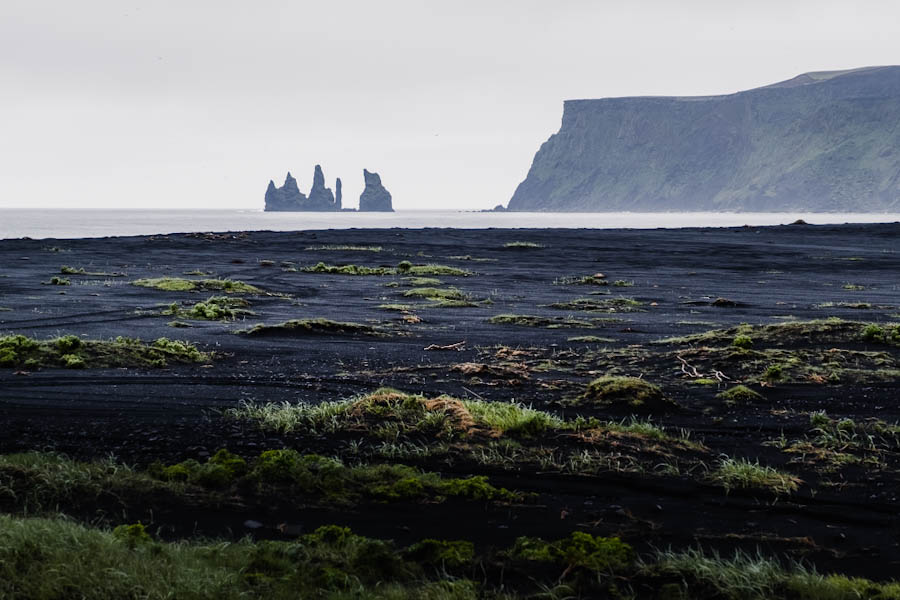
[
  {"x": 824, "y": 141},
  {"x": 337, "y": 193},
  {"x": 289, "y": 197},
  {"x": 374, "y": 197}
]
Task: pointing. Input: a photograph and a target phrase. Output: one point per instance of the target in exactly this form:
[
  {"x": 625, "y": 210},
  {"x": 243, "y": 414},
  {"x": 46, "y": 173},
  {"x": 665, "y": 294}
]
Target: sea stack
[
  {"x": 375, "y": 197},
  {"x": 286, "y": 198},
  {"x": 320, "y": 197},
  {"x": 289, "y": 197}
]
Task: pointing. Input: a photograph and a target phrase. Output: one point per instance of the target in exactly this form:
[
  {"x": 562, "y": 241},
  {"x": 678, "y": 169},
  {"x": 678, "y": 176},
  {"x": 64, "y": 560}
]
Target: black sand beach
[{"x": 655, "y": 284}]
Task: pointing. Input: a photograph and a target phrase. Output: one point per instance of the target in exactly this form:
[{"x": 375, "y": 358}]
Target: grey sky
[{"x": 198, "y": 104}]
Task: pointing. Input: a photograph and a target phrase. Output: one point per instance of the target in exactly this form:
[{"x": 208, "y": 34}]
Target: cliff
[{"x": 827, "y": 141}]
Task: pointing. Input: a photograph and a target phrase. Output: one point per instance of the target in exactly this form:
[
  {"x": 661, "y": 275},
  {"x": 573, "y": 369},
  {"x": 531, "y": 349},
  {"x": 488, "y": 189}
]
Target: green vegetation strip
[
  {"x": 40, "y": 482},
  {"x": 70, "y": 351},
  {"x": 54, "y": 558}
]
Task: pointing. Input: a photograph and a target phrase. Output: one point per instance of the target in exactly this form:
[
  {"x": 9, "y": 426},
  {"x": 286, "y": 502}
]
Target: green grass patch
[
  {"x": 178, "y": 284},
  {"x": 312, "y": 327},
  {"x": 67, "y": 270},
  {"x": 215, "y": 308},
  {"x": 523, "y": 245},
  {"x": 422, "y": 281},
  {"x": 19, "y": 351},
  {"x": 580, "y": 549},
  {"x": 607, "y": 305},
  {"x": 751, "y": 577},
  {"x": 398, "y": 307},
  {"x": 745, "y": 474},
  {"x": 391, "y": 413},
  {"x": 345, "y": 248},
  {"x": 54, "y": 558},
  {"x": 624, "y": 393},
  {"x": 433, "y": 293},
  {"x": 597, "y": 279},
  {"x": 548, "y": 322},
  {"x": 738, "y": 395},
  {"x": 404, "y": 268},
  {"x": 590, "y": 339}
]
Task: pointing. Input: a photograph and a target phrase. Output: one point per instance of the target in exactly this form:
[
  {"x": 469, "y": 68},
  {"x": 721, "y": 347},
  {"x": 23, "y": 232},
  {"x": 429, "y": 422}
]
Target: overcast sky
[{"x": 197, "y": 104}]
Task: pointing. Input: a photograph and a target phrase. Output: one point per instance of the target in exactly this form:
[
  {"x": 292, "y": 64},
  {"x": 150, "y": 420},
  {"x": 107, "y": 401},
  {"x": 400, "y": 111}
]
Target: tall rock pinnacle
[{"x": 375, "y": 197}]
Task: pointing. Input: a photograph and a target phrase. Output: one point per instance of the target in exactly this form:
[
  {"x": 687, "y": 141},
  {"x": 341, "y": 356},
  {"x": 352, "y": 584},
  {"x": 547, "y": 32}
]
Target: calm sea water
[{"x": 48, "y": 223}]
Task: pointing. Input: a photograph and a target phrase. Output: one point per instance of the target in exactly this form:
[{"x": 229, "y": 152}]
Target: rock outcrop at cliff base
[{"x": 824, "y": 141}]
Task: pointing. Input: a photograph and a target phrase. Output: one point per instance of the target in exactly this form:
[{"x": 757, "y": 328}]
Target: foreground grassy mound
[
  {"x": 179, "y": 284},
  {"x": 70, "y": 351},
  {"x": 53, "y": 558},
  {"x": 43, "y": 559}
]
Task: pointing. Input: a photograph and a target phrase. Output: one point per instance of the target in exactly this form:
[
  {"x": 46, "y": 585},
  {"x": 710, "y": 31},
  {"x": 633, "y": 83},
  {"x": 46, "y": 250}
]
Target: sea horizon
[{"x": 50, "y": 223}]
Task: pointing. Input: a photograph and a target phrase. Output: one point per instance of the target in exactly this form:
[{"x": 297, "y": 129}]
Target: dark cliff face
[
  {"x": 289, "y": 197},
  {"x": 374, "y": 197},
  {"x": 819, "y": 142}
]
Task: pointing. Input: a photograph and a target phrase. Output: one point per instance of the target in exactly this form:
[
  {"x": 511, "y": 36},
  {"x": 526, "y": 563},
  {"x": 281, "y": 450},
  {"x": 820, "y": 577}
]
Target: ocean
[{"x": 66, "y": 223}]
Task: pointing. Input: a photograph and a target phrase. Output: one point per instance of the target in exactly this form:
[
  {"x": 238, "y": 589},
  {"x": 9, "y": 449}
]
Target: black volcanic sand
[{"x": 842, "y": 519}]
